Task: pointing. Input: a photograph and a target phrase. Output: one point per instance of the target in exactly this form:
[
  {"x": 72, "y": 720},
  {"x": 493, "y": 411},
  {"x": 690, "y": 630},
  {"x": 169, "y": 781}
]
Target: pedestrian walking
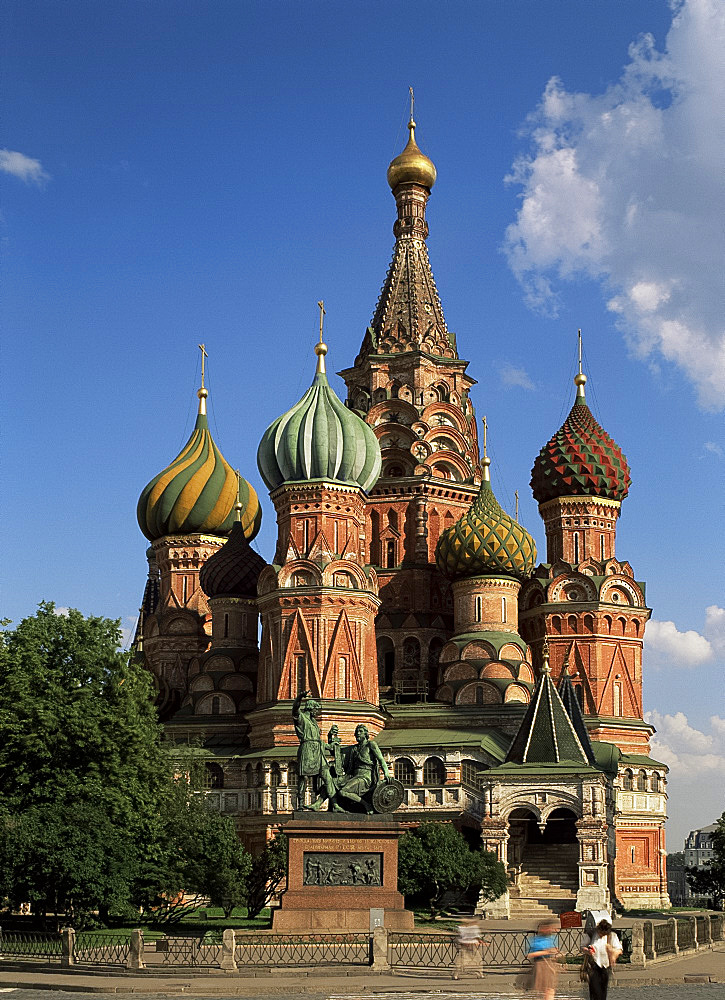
[
  {"x": 469, "y": 949},
  {"x": 542, "y": 955},
  {"x": 601, "y": 951}
]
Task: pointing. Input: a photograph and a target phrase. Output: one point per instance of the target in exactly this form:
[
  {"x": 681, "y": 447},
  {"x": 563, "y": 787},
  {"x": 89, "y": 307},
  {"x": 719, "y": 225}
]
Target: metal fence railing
[
  {"x": 203, "y": 951},
  {"x": 664, "y": 938},
  {"x": 302, "y": 949},
  {"x": 44, "y": 945},
  {"x": 93, "y": 948},
  {"x": 431, "y": 951}
]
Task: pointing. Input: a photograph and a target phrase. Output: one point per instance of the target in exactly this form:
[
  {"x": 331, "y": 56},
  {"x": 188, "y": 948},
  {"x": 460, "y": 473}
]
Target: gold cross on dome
[
  {"x": 204, "y": 355},
  {"x": 485, "y": 436},
  {"x": 321, "y": 304},
  {"x": 412, "y": 102}
]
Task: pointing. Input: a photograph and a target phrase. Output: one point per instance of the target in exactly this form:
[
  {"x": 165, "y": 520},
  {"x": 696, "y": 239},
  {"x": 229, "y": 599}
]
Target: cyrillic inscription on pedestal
[{"x": 348, "y": 868}]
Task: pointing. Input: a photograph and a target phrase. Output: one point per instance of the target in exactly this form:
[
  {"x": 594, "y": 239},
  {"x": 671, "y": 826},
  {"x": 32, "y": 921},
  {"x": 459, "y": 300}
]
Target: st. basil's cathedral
[{"x": 504, "y": 693}]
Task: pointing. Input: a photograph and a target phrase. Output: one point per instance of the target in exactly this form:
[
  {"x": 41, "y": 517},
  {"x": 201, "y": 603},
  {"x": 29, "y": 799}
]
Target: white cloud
[
  {"x": 714, "y": 449},
  {"x": 513, "y": 376},
  {"x": 626, "y": 187},
  {"x": 675, "y": 648},
  {"x": 715, "y": 627},
  {"x": 61, "y": 612},
  {"x": 697, "y": 771},
  {"x": 23, "y": 167}
]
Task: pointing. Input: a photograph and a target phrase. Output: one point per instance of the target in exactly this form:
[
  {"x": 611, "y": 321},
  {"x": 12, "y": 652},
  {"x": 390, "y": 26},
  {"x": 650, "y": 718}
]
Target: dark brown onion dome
[
  {"x": 580, "y": 459},
  {"x": 234, "y": 569}
]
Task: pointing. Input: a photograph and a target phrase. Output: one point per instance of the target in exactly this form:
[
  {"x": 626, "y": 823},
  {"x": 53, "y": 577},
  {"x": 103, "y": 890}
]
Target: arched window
[
  {"x": 275, "y": 776},
  {"x": 216, "y": 704},
  {"x": 434, "y": 772},
  {"x": 386, "y": 661},
  {"x": 588, "y": 623},
  {"x": 434, "y": 655},
  {"x": 576, "y": 547},
  {"x": 214, "y": 776},
  {"x": 571, "y": 622},
  {"x": 503, "y": 609},
  {"x": 390, "y": 560},
  {"x": 404, "y": 771},
  {"x": 627, "y": 781},
  {"x": 641, "y": 781},
  {"x": 479, "y": 608},
  {"x": 226, "y": 625},
  {"x": 471, "y": 772}
]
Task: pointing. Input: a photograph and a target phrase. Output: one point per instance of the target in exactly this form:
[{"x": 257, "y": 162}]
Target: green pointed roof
[
  {"x": 486, "y": 541},
  {"x": 546, "y": 734},
  {"x": 571, "y": 703},
  {"x": 319, "y": 438}
]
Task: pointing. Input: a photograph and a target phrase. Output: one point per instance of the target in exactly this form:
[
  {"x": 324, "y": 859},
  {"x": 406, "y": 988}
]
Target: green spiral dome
[
  {"x": 197, "y": 492},
  {"x": 319, "y": 438},
  {"x": 485, "y": 542}
]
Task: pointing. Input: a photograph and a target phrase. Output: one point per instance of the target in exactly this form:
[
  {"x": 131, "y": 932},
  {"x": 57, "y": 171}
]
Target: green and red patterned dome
[
  {"x": 486, "y": 541},
  {"x": 580, "y": 459}
]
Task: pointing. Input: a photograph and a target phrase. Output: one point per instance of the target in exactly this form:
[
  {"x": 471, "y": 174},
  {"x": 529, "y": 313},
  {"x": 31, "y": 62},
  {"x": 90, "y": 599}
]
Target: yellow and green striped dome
[
  {"x": 197, "y": 492},
  {"x": 485, "y": 542}
]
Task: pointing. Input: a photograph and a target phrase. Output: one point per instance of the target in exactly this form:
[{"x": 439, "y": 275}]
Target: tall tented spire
[
  {"x": 409, "y": 315},
  {"x": 546, "y": 734}
]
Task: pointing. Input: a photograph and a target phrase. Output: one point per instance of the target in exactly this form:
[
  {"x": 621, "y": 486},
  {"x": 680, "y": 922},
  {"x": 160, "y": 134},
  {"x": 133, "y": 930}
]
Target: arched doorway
[{"x": 543, "y": 859}]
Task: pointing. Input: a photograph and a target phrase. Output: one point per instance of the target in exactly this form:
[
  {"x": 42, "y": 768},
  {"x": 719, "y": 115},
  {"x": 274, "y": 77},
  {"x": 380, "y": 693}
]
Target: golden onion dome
[
  {"x": 412, "y": 166},
  {"x": 197, "y": 492}
]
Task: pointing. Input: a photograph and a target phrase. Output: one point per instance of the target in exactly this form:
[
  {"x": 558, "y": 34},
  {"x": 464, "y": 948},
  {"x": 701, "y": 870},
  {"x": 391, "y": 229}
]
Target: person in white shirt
[{"x": 603, "y": 949}]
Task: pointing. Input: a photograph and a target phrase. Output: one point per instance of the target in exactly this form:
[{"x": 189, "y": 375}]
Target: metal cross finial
[
  {"x": 579, "y": 333},
  {"x": 485, "y": 436},
  {"x": 412, "y": 103},
  {"x": 516, "y": 494},
  {"x": 321, "y": 304},
  {"x": 204, "y": 355}
]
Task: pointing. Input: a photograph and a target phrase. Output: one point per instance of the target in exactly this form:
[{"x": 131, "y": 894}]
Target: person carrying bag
[{"x": 601, "y": 952}]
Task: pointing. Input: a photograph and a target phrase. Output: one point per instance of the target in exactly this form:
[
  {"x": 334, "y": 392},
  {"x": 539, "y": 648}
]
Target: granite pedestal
[{"x": 341, "y": 866}]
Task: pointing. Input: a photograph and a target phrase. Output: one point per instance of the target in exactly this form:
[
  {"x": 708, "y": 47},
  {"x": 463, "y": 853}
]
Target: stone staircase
[{"x": 548, "y": 882}]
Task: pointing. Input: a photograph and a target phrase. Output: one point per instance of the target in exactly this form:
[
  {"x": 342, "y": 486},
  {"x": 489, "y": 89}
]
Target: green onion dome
[
  {"x": 319, "y": 438},
  {"x": 485, "y": 541},
  {"x": 197, "y": 492},
  {"x": 233, "y": 570},
  {"x": 580, "y": 459}
]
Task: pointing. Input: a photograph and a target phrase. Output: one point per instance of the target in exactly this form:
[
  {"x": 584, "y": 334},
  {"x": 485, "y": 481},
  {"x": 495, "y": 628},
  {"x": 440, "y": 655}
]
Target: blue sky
[{"x": 181, "y": 172}]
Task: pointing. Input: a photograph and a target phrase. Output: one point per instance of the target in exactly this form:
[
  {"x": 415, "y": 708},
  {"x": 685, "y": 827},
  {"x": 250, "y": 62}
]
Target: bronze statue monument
[{"x": 350, "y": 779}]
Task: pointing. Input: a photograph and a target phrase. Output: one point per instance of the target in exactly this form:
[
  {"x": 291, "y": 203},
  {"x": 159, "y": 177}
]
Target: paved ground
[
  {"x": 670, "y": 992},
  {"x": 659, "y": 981}
]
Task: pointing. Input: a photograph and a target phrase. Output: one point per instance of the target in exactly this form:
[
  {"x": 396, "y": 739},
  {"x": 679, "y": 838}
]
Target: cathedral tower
[
  {"x": 412, "y": 388},
  {"x": 319, "y": 599},
  {"x": 186, "y": 511}
]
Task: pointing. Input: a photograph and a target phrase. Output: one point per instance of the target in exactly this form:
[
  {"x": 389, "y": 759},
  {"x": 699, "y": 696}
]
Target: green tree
[
  {"x": 269, "y": 870},
  {"x": 434, "y": 859},
  {"x": 96, "y": 812},
  {"x": 199, "y": 853},
  {"x": 81, "y": 767},
  {"x": 710, "y": 881}
]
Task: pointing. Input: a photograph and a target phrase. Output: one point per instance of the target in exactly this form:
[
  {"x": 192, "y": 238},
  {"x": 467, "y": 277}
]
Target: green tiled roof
[
  {"x": 641, "y": 760},
  {"x": 492, "y": 741},
  {"x": 546, "y": 734}
]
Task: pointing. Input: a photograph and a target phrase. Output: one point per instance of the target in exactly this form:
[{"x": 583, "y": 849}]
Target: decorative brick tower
[
  {"x": 588, "y": 605},
  {"x": 186, "y": 512},
  {"x": 318, "y": 600},
  {"x": 412, "y": 389}
]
